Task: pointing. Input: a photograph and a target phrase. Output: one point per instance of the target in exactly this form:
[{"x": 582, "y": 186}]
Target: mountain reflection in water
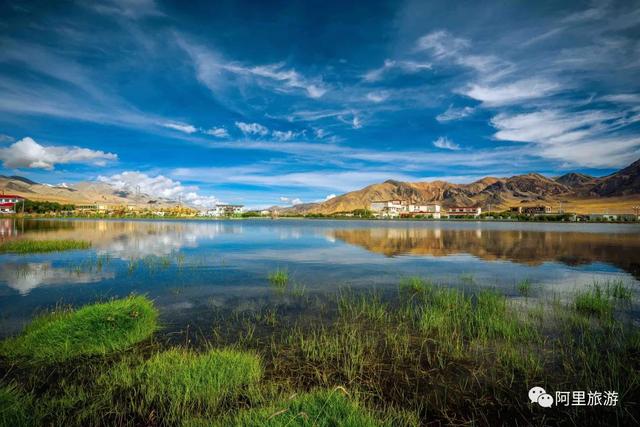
[{"x": 522, "y": 246}]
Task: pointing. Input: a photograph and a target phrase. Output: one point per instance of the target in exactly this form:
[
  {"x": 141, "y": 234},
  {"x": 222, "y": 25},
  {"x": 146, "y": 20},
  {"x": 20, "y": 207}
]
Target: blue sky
[{"x": 266, "y": 103}]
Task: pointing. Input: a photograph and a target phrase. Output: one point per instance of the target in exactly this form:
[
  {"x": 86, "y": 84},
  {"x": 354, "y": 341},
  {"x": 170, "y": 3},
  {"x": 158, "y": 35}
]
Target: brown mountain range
[{"x": 575, "y": 191}]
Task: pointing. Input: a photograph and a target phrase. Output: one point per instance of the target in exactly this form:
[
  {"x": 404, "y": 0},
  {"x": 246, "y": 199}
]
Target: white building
[
  {"x": 223, "y": 209},
  {"x": 388, "y": 208},
  {"x": 396, "y": 208},
  {"x": 464, "y": 211},
  {"x": 432, "y": 210}
]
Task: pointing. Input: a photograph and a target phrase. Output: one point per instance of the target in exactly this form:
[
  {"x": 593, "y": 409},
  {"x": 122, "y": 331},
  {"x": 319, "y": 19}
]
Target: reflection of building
[
  {"x": 91, "y": 207},
  {"x": 223, "y": 209},
  {"x": 8, "y": 228},
  {"x": 396, "y": 208},
  {"x": 8, "y": 203},
  {"x": 532, "y": 210},
  {"x": 464, "y": 211}
]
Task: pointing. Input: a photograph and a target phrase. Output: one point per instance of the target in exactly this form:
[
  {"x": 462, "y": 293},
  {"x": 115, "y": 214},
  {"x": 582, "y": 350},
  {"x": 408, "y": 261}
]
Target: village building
[
  {"x": 464, "y": 211},
  {"x": 8, "y": 203},
  {"x": 396, "y": 208},
  {"x": 531, "y": 210},
  {"x": 223, "y": 209}
]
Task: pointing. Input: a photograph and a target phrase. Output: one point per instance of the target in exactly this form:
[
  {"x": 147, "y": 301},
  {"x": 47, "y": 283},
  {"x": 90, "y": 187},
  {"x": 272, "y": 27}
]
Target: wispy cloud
[
  {"x": 27, "y": 153},
  {"x": 453, "y": 113},
  {"x": 445, "y": 143},
  {"x": 575, "y": 137},
  {"x": 252, "y": 128},
  {"x": 181, "y": 127},
  {"x": 390, "y": 65},
  {"x": 218, "y": 132},
  {"x": 511, "y": 92}
]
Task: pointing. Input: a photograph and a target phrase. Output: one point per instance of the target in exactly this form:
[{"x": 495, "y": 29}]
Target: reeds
[{"x": 42, "y": 246}]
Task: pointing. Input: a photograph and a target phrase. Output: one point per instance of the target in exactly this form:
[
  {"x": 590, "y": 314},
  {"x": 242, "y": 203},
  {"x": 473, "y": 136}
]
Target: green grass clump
[
  {"x": 594, "y": 301},
  {"x": 41, "y": 246},
  {"x": 15, "y": 407},
  {"x": 279, "y": 278},
  {"x": 524, "y": 287},
  {"x": 97, "y": 329},
  {"x": 619, "y": 290},
  {"x": 318, "y": 409},
  {"x": 178, "y": 383}
]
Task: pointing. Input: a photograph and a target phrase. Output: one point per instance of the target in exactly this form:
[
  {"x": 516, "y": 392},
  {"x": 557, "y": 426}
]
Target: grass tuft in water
[
  {"x": 97, "y": 329},
  {"x": 41, "y": 246},
  {"x": 178, "y": 383},
  {"x": 279, "y": 278},
  {"x": 319, "y": 409},
  {"x": 524, "y": 287},
  {"x": 594, "y": 301}
]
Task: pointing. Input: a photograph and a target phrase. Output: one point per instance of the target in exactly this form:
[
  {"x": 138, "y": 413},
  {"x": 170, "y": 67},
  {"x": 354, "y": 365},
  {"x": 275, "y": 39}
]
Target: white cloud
[
  {"x": 411, "y": 67},
  {"x": 446, "y": 144},
  {"x": 252, "y": 128},
  {"x": 579, "y": 138},
  {"x": 218, "y": 132},
  {"x": 284, "y": 199},
  {"x": 329, "y": 197},
  {"x": 296, "y": 201},
  {"x": 509, "y": 93},
  {"x": 211, "y": 69},
  {"x": 377, "y": 96},
  {"x": 442, "y": 44},
  {"x": 623, "y": 98},
  {"x": 284, "y": 136},
  {"x": 27, "y": 153},
  {"x": 181, "y": 127},
  {"x": 356, "y": 123},
  {"x": 453, "y": 113},
  {"x": 158, "y": 186}
]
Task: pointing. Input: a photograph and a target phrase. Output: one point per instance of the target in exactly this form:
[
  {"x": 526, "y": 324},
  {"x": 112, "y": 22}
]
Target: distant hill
[
  {"x": 489, "y": 192},
  {"x": 573, "y": 190},
  {"x": 80, "y": 193}
]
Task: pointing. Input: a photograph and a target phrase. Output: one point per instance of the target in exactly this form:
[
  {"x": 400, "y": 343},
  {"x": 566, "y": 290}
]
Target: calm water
[{"x": 192, "y": 267}]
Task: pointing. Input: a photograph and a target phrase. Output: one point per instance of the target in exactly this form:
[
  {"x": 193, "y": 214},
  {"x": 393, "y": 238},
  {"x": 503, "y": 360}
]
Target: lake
[{"x": 190, "y": 268}]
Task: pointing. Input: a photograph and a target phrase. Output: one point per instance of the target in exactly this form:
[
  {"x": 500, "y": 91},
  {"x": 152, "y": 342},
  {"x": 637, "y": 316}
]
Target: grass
[
  {"x": 177, "y": 383},
  {"x": 97, "y": 329},
  {"x": 322, "y": 408},
  {"x": 524, "y": 287},
  {"x": 42, "y": 246},
  {"x": 428, "y": 355},
  {"x": 15, "y": 407},
  {"x": 279, "y": 278}
]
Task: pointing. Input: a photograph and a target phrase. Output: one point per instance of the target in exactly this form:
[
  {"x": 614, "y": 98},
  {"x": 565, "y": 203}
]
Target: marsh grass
[
  {"x": 321, "y": 408},
  {"x": 178, "y": 383},
  {"x": 426, "y": 355},
  {"x": 524, "y": 287},
  {"x": 279, "y": 278},
  {"x": 97, "y": 329},
  {"x": 41, "y": 246}
]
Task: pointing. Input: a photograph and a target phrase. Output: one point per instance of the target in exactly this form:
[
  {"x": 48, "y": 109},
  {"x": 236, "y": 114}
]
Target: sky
[{"x": 281, "y": 102}]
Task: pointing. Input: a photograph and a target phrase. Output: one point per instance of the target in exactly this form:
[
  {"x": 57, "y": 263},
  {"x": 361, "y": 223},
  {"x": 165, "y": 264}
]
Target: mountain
[
  {"x": 576, "y": 181},
  {"x": 80, "y": 193},
  {"x": 576, "y": 189},
  {"x": 622, "y": 183}
]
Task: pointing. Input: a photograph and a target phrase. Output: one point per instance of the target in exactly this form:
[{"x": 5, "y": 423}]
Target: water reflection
[
  {"x": 25, "y": 277},
  {"x": 522, "y": 246}
]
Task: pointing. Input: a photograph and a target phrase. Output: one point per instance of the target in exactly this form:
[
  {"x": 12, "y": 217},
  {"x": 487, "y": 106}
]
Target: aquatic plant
[
  {"x": 178, "y": 382},
  {"x": 97, "y": 329},
  {"x": 41, "y": 246},
  {"x": 524, "y": 287},
  {"x": 321, "y": 408},
  {"x": 279, "y": 278}
]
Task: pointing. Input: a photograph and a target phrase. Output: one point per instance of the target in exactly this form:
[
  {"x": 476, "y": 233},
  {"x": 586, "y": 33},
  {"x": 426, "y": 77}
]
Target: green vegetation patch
[
  {"x": 15, "y": 407},
  {"x": 42, "y": 246},
  {"x": 279, "y": 278},
  {"x": 318, "y": 409},
  {"x": 97, "y": 329},
  {"x": 177, "y": 383}
]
